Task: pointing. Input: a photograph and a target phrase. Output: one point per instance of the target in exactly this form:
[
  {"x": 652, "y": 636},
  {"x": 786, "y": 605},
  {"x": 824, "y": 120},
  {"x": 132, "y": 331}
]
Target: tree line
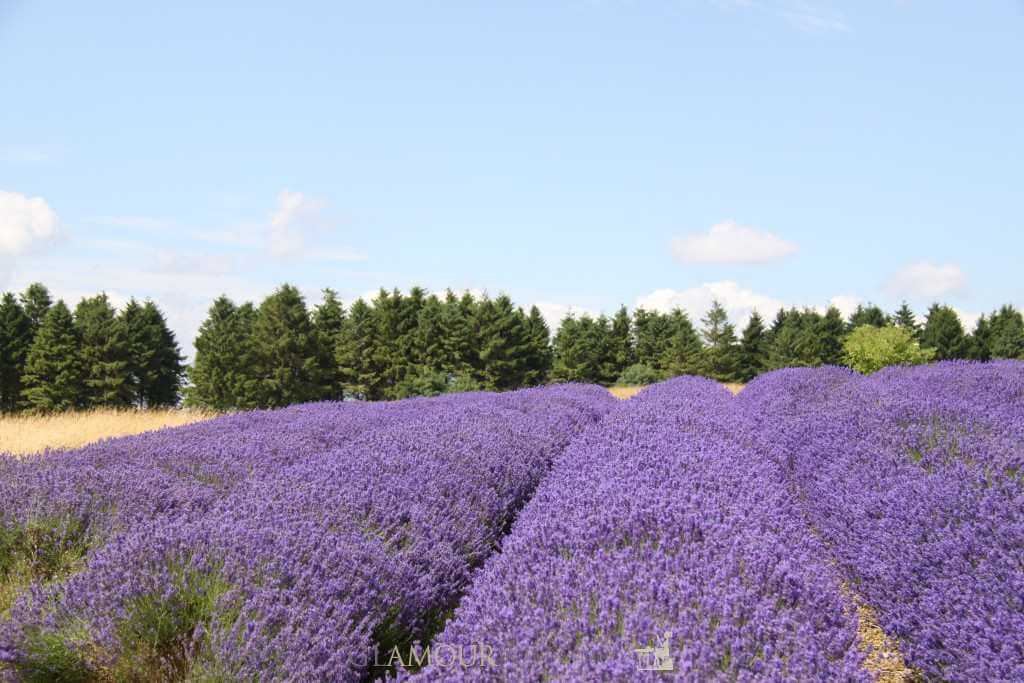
[
  {"x": 397, "y": 346},
  {"x": 54, "y": 359},
  {"x": 418, "y": 344}
]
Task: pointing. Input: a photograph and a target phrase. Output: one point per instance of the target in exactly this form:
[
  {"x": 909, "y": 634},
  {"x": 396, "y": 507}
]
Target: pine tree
[
  {"x": 104, "y": 353},
  {"x": 719, "y": 358},
  {"x": 753, "y": 354},
  {"x": 944, "y": 333},
  {"x": 53, "y": 379},
  {"x": 652, "y": 334},
  {"x": 979, "y": 340},
  {"x": 795, "y": 341},
  {"x": 155, "y": 366},
  {"x": 539, "y": 354},
  {"x": 15, "y": 341},
  {"x": 459, "y": 336},
  {"x": 36, "y": 302},
  {"x": 905, "y": 318},
  {"x": 285, "y": 350},
  {"x": 221, "y": 376},
  {"x": 620, "y": 342},
  {"x": 682, "y": 355},
  {"x": 328, "y": 323},
  {"x": 1006, "y": 334},
  {"x": 830, "y": 331},
  {"x": 504, "y": 344},
  {"x": 867, "y": 315},
  {"x": 355, "y": 354},
  {"x": 569, "y": 363},
  {"x": 430, "y": 336}
]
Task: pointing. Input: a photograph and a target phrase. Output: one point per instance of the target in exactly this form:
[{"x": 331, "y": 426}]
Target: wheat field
[
  {"x": 26, "y": 434},
  {"x": 628, "y": 392}
]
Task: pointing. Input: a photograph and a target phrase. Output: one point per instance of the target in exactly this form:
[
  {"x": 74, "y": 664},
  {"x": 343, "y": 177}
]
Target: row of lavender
[
  {"x": 912, "y": 477},
  {"x": 287, "y": 545},
  {"x": 662, "y": 541}
]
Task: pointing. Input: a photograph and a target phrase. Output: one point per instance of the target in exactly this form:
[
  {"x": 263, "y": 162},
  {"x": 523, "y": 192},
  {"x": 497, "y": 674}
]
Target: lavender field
[{"x": 554, "y": 533}]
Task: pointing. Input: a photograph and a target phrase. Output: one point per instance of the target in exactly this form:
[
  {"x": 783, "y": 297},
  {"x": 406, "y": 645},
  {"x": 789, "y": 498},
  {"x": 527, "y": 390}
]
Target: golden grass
[
  {"x": 25, "y": 434},
  {"x": 629, "y": 392}
]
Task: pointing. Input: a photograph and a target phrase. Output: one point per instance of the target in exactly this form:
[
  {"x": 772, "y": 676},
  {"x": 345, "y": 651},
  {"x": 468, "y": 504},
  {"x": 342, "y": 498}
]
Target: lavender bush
[
  {"x": 912, "y": 476},
  {"x": 661, "y": 528},
  {"x": 286, "y": 545}
]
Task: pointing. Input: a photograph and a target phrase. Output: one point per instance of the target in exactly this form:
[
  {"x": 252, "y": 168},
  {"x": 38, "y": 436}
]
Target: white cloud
[
  {"x": 927, "y": 280},
  {"x": 846, "y": 304},
  {"x": 967, "y": 319},
  {"x": 738, "y": 301},
  {"x": 731, "y": 243},
  {"x": 298, "y": 218},
  {"x": 553, "y": 313},
  {"x": 25, "y": 223}
]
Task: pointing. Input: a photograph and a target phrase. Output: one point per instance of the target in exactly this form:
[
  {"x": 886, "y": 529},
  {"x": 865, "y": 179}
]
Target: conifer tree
[
  {"x": 682, "y": 355},
  {"x": 753, "y": 353},
  {"x": 459, "y": 336},
  {"x": 944, "y": 333},
  {"x": 867, "y": 315},
  {"x": 104, "y": 353},
  {"x": 719, "y": 357},
  {"x": 620, "y": 343},
  {"x": 652, "y": 334},
  {"x": 328, "y": 323},
  {"x": 15, "y": 341},
  {"x": 979, "y": 340},
  {"x": 905, "y": 318},
  {"x": 53, "y": 369},
  {"x": 538, "y": 364},
  {"x": 504, "y": 344},
  {"x": 430, "y": 336},
  {"x": 285, "y": 350},
  {"x": 356, "y": 354},
  {"x": 831, "y": 332},
  {"x": 795, "y": 340},
  {"x": 570, "y": 358},
  {"x": 155, "y": 366},
  {"x": 36, "y": 302},
  {"x": 1006, "y": 334},
  {"x": 221, "y": 376}
]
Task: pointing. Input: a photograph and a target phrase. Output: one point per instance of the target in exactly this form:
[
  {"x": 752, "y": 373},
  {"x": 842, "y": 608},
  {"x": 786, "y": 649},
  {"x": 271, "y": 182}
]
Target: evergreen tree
[
  {"x": 620, "y": 342},
  {"x": 221, "y": 377},
  {"x": 36, "y": 302},
  {"x": 979, "y": 340},
  {"x": 155, "y": 367},
  {"x": 355, "y": 354},
  {"x": 328, "y": 323},
  {"x": 504, "y": 344},
  {"x": 1006, "y": 335},
  {"x": 285, "y": 350},
  {"x": 905, "y": 318},
  {"x": 652, "y": 335},
  {"x": 720, "y": 356},
  {"x": 682, "y": 355},
  {"x": 867, "y": 315},
  {"x": 53, "y": 378},
  {"x": 795, "y": 341},
  {"x": 944, "y": 333},
  {"x": 830, "y": 331},
  {"x": 538, "y": 363},
  {"x": 104, "y": 353},
  {"x": 430, "y": 336},
  {"x": 580, "y": 350},
  {"x": 15, "y": 341},
  {"x": 388, "y": 354},
  {"x": 459, "y": 336},
  {"x": 753, "y": 353}
]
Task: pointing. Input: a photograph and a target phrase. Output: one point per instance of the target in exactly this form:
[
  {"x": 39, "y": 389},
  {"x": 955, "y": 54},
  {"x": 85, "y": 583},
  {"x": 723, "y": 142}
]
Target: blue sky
[{"x": 576, "y": 153}]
